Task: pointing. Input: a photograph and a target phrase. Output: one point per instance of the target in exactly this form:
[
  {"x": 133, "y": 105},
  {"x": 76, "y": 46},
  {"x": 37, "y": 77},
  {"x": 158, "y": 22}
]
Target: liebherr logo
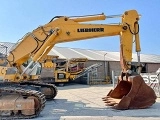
[{"x": 90, "y": 30}]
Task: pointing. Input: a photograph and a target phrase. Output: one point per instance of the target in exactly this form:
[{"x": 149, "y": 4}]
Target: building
[{"x": 109, "y": 60}]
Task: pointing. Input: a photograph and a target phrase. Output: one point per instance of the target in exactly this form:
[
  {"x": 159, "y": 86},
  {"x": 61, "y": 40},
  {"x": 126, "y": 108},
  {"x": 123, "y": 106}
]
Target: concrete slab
[{"x": 81, "y": 102}]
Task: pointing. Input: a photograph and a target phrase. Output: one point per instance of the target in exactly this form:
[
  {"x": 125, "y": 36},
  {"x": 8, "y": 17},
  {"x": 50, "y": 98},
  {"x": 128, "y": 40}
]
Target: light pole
[{"x": 105, "y": 68}]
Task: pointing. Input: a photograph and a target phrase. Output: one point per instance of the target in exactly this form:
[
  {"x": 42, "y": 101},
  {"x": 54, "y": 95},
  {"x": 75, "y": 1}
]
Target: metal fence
[{"x": 95, "y": 78}]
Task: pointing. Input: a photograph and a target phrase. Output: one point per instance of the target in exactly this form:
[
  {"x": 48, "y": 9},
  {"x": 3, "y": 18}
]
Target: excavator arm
[{"x": 40, "y": 41}]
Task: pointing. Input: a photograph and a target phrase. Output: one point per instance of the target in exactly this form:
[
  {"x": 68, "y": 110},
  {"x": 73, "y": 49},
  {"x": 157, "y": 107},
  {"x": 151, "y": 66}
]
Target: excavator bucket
[{"x": 133, "y": 93}]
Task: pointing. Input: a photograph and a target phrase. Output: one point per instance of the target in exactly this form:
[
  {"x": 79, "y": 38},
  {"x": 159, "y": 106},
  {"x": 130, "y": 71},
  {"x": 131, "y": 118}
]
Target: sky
[{"x": 18, "y": 17}]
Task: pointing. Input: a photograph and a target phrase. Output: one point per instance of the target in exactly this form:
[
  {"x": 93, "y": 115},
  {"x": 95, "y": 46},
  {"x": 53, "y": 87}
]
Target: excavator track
[
  {"x": 9, "y": 89},
  {"x": 49, "y": 90}
]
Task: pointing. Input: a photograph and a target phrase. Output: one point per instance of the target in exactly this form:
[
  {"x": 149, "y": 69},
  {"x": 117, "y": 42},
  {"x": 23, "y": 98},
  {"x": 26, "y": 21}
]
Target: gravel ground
[{"x": 81, "y": 102}]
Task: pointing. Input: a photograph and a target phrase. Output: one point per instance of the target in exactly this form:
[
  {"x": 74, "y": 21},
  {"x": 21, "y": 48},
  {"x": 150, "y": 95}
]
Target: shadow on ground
[{"x": 54, "y": 110}]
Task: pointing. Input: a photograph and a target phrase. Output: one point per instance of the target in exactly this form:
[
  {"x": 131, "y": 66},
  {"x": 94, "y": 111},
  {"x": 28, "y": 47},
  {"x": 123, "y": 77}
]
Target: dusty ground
[{"x": 81, "y": 102}]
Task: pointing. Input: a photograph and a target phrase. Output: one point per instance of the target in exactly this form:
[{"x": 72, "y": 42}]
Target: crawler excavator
[{"x": 17, "y": 100}]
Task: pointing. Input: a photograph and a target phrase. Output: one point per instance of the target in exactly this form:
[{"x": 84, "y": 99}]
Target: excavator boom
[{"x": 66, "y": 29}]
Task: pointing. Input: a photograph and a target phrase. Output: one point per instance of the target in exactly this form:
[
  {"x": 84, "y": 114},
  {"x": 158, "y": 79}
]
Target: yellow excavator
[{"x": 19, "y": 101}]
